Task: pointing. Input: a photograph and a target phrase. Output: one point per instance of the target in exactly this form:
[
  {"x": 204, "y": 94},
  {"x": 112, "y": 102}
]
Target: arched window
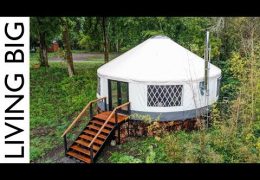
[{"x": 164, "y": 95}]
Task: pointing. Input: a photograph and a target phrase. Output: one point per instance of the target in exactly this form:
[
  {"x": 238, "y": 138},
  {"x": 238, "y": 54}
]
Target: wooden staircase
[{"x": 97, "y": 132}]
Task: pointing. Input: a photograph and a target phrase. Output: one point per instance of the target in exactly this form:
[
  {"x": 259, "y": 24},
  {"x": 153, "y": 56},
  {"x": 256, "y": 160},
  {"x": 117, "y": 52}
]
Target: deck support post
[
  {"x": 65, "y": 143},
  {"x": 135, "y": 128},
  {"x": 116, "y": 118},
  {"x": 128, "y": 130},
  {"x": 128, "y": 109},
  {"x": 118, "y": 126},
  {"x": 118, "y": 133},
  {"x": 90, "y": 111},
  {"x": 91, "y": 153}
]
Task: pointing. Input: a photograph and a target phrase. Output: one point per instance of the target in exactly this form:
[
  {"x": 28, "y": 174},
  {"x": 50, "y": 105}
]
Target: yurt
[{"x": 160, "y": 79}]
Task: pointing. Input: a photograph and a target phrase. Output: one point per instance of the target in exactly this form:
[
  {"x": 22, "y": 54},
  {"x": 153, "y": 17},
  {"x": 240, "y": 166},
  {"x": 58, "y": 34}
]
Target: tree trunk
[
  {"x": 43, "y": 47},
  {"x": 252, "y": 75},
  {"x": 43, "y": 51},
  {"x": 105, "y": 37},
  {"x": 67, "y": 48}
]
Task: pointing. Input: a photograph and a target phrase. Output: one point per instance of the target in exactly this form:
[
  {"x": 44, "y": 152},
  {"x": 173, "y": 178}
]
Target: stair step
[
  {"x": 78, "y": 156},
  {"x": 101, "y": 124},
  {"x": 97, "y": 128},
  {"x": 104, "y": 115},
  {"x": 82, "y": 150},
  {"x": 85, "y": 143},
  {"x": 89, "y": 138},
  {"x": 87, "y": 131}
]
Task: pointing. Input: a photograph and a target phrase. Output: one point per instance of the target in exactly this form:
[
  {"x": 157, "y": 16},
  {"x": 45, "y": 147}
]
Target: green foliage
[
  {"x": 92, "y": 26},
  {"x": 219, "y": 144},
  {"x": 126, "y": 32},
  {"x": 146, "y": 118},
  {"x": 149, "y": 33},
  {"x": 234, "y": 134},
  {"x": 47, "y": 25},
  {"x": 237, "y": 65},
  {"x": 85, "y": 42},
  {"x": 151, "y": 155}
]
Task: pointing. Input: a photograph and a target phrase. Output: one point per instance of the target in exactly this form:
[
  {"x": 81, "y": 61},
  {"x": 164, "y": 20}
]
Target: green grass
[
  {"x": 140, "y": 150},
  {"x": 55, "y": 99}
]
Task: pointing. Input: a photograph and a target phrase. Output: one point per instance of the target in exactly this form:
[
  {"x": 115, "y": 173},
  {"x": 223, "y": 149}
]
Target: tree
[
  {"x": 92, "y": 27},
  {"x": 43, "y": 47},
  {"x": 43, "y": 30},
  {"x": 105, "y": 37},
  {"x": 67, "y": 46}
]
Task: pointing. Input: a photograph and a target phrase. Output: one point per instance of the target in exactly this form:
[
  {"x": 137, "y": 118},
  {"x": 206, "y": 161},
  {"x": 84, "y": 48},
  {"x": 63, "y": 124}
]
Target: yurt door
[{"x": 117, "y": 94}]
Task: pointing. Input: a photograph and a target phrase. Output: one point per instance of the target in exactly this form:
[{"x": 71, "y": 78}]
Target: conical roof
[{"x": 158, "y": 59}]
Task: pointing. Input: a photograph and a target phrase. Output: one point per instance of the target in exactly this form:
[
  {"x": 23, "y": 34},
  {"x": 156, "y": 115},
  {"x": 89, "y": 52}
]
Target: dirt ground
[{"x": 57, "y": 155}]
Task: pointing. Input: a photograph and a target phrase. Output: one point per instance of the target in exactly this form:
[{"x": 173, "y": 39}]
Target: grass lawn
[{"x": 55, "y": 99}]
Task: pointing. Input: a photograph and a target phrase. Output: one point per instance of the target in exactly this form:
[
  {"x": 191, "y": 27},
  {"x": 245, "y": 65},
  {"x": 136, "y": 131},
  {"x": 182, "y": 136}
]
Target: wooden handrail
[
  {"x": 109, "y": 117},
  {"x": 80, "y": 115}
]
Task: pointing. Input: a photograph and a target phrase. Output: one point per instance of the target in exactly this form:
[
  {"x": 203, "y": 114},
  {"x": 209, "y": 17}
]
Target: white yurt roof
[{"x": 158, "y": 59}]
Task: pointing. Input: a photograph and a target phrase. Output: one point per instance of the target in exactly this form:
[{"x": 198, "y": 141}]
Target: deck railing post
[
  {"x": 91, "y": 153},
  {"x": 90, "y": 111},
  {"x": 105, "y": 102},
  {"x": 118, "y": 126},
  {"x": 128, "y": 109},
  {"x": 116, "y": 120},
  {"x": 65, "y": 143}
]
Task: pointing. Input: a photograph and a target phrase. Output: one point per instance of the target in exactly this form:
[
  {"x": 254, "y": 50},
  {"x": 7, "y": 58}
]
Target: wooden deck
[{"x": 104, "y": 116}]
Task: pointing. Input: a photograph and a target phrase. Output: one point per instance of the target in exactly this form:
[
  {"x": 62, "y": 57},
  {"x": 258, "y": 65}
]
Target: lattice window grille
[{"x": 164, "y": 95}]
